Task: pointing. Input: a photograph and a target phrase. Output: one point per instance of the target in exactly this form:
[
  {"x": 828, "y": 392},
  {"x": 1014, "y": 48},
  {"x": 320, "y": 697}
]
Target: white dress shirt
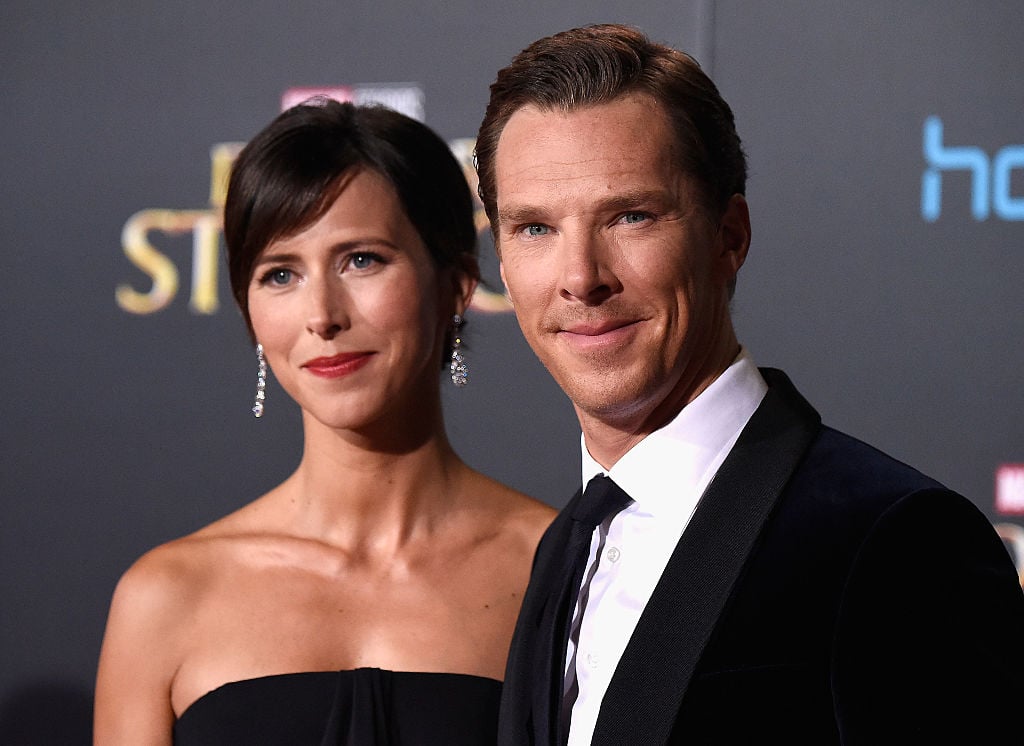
[{"x": 665, "y": 474}]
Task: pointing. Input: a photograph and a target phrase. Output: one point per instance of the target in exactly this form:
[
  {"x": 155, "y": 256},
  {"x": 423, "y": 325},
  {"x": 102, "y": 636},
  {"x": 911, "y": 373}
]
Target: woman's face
[{"x": 351, "y": 311}]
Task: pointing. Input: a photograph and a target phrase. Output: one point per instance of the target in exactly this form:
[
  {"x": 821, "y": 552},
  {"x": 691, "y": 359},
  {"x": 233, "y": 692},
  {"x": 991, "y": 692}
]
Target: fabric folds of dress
[
  {"x": 365, "y": 706},
  {"x": 361, "y": 710}
]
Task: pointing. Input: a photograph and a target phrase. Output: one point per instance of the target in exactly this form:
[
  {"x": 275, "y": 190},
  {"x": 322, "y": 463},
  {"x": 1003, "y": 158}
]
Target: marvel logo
[
  {"x": 294, "y": 96},
  {"x": 406, "y": 98},
  {"x": 1010, "y": 489}
]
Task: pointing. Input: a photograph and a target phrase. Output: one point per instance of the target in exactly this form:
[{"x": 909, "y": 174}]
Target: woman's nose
[{"x": 326, "y": 314}]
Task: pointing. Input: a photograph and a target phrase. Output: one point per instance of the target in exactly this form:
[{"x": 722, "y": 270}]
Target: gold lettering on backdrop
[
  {"x": 206, "y": 226},
  {"x": 483, "y": 299},
  {"x": 135, "y": 241},
  {"x": 222, "y": 156}
]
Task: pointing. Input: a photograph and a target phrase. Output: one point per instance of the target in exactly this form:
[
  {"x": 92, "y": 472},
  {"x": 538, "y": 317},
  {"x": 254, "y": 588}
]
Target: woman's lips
[{"x": 337, "y": 366}]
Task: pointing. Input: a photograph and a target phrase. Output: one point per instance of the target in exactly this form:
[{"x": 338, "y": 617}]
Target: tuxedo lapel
[
  {"x": 650, "y": 681},
  {"x": 552, "y": 622},
  {"x": 532, "y": 691}
]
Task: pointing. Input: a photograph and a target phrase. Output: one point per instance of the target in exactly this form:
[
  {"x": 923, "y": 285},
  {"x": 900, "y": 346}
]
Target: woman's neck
[{"x": 368, "y": 493}]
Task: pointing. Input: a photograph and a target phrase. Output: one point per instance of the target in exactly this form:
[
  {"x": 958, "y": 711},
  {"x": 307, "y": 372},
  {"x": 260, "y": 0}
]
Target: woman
[{"x": 371, "y": 597}]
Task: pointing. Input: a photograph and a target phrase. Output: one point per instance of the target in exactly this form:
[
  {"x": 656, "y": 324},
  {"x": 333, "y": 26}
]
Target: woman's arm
[{"x": 139, "y": 657}]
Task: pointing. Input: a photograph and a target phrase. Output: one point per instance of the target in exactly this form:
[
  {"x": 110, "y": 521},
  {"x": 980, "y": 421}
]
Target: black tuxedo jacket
[{"x": 822, "y": 593}]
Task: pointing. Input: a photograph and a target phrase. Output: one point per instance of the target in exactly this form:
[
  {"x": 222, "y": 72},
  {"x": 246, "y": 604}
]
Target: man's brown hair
[{"x": 598, "y": 64}]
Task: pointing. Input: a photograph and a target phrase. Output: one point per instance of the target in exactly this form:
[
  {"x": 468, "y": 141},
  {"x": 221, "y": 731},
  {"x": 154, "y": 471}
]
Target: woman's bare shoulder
[
  {"x": 166, "y": 578},
  {"x": 175, "y": 573},
  {"x": 149, "y": 631},
  {"x": 515, "y": 512}
]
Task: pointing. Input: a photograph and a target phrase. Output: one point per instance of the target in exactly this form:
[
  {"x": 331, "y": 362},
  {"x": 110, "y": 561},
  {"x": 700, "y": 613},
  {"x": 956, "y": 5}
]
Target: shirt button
[
  {"x": 592, "y": 660},
  {"x": 614, "y": 554}
]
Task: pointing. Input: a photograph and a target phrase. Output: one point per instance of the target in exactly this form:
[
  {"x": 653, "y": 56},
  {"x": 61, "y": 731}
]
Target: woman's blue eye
[
  {"x": 279, "y": 276},
  {"x": 363, "y": 261}
]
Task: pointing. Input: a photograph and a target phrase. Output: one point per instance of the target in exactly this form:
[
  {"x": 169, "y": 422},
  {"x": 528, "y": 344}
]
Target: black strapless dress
[{"x": 364, "y": 707}]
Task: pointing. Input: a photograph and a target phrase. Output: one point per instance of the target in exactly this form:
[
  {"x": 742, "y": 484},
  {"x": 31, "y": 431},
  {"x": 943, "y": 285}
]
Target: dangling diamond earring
[
  {"x": 460, "y": 373},
  {"x": 261, "y": 382}
]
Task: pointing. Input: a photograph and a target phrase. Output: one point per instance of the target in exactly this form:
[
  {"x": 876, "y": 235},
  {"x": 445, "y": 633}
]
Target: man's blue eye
[
  {"x": 536, "y": 230},
  {"x": 634, "y": 217}
]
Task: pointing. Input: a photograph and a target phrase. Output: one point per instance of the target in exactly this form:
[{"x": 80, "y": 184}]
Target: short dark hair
[
  {"x": 598, "y": 64},
  {"x": 291, "y": 173}
]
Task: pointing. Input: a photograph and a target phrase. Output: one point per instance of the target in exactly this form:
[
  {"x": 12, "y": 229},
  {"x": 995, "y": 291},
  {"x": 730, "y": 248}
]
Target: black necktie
[{"x": 601, "y": 499}]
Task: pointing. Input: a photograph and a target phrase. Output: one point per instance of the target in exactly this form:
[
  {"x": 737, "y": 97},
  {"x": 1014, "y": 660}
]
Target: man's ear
[
  {"x": 734, "y": 236},
  {"x": 508, "y": 292}
]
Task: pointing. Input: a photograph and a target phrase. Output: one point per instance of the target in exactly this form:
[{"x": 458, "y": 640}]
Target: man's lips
[
  {"x": 597, "y": 328},
  {"x": 592, "y": 335},
  {"x": 337, "y": 365}
]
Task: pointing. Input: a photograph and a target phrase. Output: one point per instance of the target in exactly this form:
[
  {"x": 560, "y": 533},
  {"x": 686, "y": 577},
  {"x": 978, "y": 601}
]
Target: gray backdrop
[{"x": 897, "y": 313}]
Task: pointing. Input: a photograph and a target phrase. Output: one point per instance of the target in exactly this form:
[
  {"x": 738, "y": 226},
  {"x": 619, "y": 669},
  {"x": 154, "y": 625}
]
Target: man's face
[{"x": 618, "y": 274}]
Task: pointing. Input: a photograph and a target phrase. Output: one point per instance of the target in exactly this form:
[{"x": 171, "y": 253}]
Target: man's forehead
[
  {"x": 607, "y": 149},
  {"x": 634, "y": 107}
]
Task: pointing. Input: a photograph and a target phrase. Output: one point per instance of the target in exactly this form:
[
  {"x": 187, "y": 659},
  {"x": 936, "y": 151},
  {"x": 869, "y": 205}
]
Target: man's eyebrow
[
  {"x": 632, "y": 199},
  {"x": 636, "y": 198},
  {"x": 519, "y": 214}
]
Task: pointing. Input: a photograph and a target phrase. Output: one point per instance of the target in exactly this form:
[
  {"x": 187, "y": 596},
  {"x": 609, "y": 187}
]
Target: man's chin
[{"x": 611, "y": 406}]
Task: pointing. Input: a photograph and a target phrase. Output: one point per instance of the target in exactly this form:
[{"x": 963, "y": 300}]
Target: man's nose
[{"x": 588, "y": 274}]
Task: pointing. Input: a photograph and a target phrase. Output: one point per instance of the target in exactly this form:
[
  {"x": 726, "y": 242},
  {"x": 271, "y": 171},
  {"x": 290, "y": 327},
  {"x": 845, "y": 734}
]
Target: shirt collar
[{"x": 687, "y": 451}]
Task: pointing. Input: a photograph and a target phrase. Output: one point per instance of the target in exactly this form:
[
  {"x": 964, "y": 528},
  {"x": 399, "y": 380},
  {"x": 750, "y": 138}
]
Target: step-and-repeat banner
[{"x": 886, "y": 275}]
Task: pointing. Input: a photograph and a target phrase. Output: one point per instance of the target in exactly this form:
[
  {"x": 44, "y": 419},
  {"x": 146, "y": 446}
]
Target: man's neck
[{"x": 609, "y": 437}]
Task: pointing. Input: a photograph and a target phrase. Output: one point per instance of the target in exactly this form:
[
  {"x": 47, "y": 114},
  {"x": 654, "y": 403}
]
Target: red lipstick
[{"x": 337, "y": 366}]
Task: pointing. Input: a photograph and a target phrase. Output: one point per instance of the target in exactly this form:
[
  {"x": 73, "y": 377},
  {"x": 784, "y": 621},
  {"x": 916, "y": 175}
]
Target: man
[{"x": 755, "y": 577}]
